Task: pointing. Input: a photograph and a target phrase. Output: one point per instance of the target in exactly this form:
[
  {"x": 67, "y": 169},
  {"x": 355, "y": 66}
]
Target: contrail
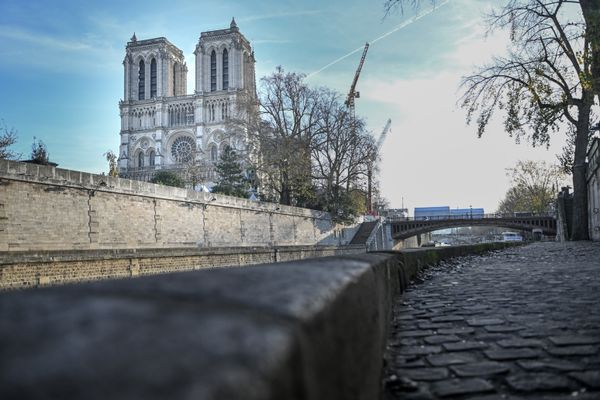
[{"x": 397, "y": 28}]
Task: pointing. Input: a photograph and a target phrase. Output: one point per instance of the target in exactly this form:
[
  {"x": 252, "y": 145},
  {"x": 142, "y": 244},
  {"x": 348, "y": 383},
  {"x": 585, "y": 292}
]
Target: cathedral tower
[
  {"x": 162, "y": 127},
  {"x": 153, "y": 68}
]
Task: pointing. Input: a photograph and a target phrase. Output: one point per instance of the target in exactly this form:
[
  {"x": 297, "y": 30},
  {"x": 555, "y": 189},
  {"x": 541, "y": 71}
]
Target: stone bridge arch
[{"x": 405, "y": 229}]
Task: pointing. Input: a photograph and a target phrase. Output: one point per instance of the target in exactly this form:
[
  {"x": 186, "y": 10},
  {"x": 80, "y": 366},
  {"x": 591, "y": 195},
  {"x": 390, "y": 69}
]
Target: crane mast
[
  {"x": 353, "y": 94},
  {"x": 383, "y": 134},
  {"x": 371, "y": 164}
]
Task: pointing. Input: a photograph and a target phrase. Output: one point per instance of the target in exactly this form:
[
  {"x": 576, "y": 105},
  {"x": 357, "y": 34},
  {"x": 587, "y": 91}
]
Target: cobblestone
[
  {"x": 439, "y": 339},
  {"x": 462, "y": 346},
  {"x": 480, "y": 369},
  {"x": 510, "y": 354},
  {"x": 532, "y": 382},
  {"x": 521, "y": 323},
  {"x": 589, "y": 378},
  {"x": 574, "y": 340},
  {"x": 463, "y": 386}
]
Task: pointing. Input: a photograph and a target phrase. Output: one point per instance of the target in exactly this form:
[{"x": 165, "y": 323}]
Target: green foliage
[
  {"x": 39, "y": 152},
  {"x": 534, "y": 187},
  {"x": 231, "y": 180},
  {"x": 168, "y": 178}
]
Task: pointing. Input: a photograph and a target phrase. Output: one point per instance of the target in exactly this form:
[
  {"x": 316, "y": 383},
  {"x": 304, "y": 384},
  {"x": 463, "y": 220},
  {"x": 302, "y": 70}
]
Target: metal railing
[{"x": 469, "y": 216}]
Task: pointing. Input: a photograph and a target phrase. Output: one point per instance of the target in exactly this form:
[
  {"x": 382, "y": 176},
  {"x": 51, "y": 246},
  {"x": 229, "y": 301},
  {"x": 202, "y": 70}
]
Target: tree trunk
[
  {"x": 285, "y": 195},
  {"x": 580, "y": 207},
  {"x": 591, "y": 13}
]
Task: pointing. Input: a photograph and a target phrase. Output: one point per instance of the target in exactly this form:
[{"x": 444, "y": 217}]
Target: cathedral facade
[{"x": 163, "y": 127}]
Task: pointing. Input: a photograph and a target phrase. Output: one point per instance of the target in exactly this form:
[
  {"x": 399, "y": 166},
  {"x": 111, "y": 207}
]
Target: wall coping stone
[
  {"x": 14, "y": 257},
  {"x": 49, "y": 175},
  {"x": 310, "y": 329}
]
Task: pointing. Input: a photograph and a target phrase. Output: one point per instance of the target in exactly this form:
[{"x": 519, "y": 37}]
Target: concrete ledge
[{"x": 311, "y": 329}]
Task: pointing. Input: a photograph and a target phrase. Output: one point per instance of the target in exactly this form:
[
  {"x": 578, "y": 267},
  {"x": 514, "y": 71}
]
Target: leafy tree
[
  {"x": 7, "y": 139},
  {"x": 168, "y": 178},
  {"x": 231, "y": 180},
  {"x": 544, "y": 83},
  {"x": 534, "y": 187},
  {"x": 111, "y": 158},
  {"x": 39, "y": 152}
]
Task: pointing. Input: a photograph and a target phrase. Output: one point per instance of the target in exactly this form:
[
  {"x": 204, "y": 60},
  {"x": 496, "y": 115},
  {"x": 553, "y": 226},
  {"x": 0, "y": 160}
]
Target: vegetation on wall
[
  {"x": 231, "y": 180},
  {"x": 168, "y": 178},
  {"x": 39, "y": 152}
]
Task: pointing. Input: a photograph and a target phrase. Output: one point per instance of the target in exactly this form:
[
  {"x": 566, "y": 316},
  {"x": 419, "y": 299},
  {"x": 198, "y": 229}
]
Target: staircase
[{"x": 364, "y": 232}]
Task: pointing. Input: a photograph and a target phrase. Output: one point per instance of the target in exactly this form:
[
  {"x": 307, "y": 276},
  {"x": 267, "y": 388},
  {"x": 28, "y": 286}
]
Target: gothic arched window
[
  {"x": 174, "y": 79},
  {"x": 153, "y": 78},
  {"x": 213, "y": 153},
  {"x": 151, "y": 157},
  {"x": 225, "y": 70},
  {"x": 142, "y": 81},
  {"x": 213, "y": 71},
  {"x": 141, "y": 159}
]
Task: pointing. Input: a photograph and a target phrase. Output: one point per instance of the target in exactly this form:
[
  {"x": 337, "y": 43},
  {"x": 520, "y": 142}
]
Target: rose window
[{"x": 182, "y": 149}]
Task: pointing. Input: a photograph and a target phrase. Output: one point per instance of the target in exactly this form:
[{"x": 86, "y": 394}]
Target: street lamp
[{"x": 471, "y": 210}]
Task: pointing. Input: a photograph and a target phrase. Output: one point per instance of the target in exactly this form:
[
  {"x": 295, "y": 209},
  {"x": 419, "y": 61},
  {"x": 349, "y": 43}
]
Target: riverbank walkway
[{"x": 520, "y": 323}]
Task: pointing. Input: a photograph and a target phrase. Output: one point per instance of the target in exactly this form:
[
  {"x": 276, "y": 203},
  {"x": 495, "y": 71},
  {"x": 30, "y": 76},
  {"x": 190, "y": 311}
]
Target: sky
[{"x": 61, "y": 79}]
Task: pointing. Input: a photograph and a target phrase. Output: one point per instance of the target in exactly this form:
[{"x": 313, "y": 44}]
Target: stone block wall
[
  {"x": 48, "y": 208},
  {"x": 19, "y": 270}
]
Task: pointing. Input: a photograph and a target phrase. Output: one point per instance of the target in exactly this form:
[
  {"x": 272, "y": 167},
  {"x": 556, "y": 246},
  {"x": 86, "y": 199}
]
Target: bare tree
[
  {"x": 7, "y": 139},
  {"x": 288, "y": 117},
  {"x": 390, "y": 6},
  {"x": 341, "y": 151},
  {"x": 543, "y": 84}
]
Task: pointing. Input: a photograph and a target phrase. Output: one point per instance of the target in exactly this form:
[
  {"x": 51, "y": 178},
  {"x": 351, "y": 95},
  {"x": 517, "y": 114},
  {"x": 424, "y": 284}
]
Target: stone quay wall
[
  {"x": 46, "y": 208},
  {"x": 20, "y": 270},
  {"x": 299, "y": 330}
]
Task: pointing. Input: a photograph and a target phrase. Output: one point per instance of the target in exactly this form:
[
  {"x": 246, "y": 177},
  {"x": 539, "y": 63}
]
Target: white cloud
[
  {"x": 431, "y": 157},
  {"x": 283, "y": 14},
  {"x": 44, "y": 40}
]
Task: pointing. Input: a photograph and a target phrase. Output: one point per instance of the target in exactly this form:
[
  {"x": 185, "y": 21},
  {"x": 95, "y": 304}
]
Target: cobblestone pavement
[{"x": 521, "y": 323}]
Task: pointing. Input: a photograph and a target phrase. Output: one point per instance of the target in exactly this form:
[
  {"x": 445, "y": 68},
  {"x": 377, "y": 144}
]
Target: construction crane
[
  {"x": 353, "y": 94},
  {"x": 371, "y": 164},
  {"x": 383, "y": 135}
]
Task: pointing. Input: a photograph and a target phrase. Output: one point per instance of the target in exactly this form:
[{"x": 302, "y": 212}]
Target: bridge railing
[{"x": 517, "y": 215}]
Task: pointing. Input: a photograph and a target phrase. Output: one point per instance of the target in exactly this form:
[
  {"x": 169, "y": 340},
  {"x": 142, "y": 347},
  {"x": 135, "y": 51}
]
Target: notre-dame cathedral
[{"x": 163, "y": 127}]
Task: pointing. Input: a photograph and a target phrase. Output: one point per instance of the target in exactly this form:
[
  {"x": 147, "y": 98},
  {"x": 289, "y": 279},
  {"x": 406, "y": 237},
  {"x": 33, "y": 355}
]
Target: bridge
[{"x": 408, "y": 227}]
